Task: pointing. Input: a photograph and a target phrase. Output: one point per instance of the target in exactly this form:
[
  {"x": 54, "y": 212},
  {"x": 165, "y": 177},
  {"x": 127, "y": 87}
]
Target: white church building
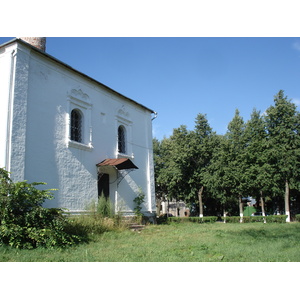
[{"x": 61, "y": 127}]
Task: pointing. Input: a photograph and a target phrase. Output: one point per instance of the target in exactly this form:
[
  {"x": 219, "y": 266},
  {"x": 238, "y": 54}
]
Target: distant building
[
  {"x": 175, "y": 208},
  {"x": 59, "y": 126}
]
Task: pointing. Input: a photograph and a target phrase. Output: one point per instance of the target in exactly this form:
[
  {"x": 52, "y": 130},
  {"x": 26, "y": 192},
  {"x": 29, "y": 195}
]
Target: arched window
[
  {"x": 76, "y": 125},
  {"x": 121, "y": 139}
]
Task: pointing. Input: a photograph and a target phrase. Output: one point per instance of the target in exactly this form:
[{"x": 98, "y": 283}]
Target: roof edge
[{"x": 79, "y": 72}]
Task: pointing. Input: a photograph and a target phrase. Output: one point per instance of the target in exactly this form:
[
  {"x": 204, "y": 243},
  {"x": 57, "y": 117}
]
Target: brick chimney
[{"x": 38, "y": 42}]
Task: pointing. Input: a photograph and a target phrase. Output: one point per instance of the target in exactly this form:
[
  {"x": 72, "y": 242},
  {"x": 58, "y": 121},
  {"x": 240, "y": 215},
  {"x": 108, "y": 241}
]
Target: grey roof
[{"x": 74, "y": 70}]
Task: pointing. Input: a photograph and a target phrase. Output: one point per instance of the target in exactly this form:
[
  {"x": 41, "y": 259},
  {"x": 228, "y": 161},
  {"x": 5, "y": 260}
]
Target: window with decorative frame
[
  {"x": 123, "y": 132},
  {"x": 79, "y": 129}
]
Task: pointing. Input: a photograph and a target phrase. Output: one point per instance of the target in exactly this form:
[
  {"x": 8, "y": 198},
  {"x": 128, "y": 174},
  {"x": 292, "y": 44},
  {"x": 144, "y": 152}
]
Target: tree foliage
[
  {"x": 259, "y": 158},
  {"x": 283, "y": 126},
  {"x": 181, "y": 161}
]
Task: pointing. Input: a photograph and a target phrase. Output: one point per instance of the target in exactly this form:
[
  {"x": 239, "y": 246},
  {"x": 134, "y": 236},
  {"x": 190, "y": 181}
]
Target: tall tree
[
  {"x": 182, "y": 159},
  {"x": 258, "y": 170},
  {"x": 173, "y": 164},
  {"x": 180, "y": 163},
  {"x": 216, "y": 175},
  {"x": 236, "y": 166},
  {"x": 203, "y": 143},
  {"x": 163, "y": 168},
  {"x": 283, "y": 127}
]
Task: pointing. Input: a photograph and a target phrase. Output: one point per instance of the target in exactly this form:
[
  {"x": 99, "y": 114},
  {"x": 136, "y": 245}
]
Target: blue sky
[{"x": 181, "y": 77}]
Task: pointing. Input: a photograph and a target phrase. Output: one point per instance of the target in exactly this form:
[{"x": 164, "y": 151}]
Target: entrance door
[{"x": 103, "y": 185}]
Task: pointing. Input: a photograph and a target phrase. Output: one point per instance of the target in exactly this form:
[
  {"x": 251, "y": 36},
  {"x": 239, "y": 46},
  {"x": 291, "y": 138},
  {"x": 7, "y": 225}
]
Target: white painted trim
[
  {"x": 80, "y": 146},
  {"x": 10, "y": 111}
]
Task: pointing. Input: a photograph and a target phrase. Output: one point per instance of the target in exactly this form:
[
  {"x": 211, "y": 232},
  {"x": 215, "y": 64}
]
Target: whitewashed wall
[{"x": 44, "y": 95}]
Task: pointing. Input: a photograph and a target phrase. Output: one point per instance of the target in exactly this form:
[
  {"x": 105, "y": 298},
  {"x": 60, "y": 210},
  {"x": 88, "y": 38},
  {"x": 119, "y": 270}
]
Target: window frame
[
  {"x": 79, "y": 101},
  {"x": 123, "y": 118}
]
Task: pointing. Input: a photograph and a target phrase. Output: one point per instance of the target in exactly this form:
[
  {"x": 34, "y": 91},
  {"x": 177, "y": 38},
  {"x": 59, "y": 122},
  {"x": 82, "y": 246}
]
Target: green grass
[{"x": 185, "y": 242}]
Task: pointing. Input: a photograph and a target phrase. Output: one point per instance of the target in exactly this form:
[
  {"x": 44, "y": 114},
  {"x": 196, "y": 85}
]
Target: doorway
[{"x": 103, "y": 184}]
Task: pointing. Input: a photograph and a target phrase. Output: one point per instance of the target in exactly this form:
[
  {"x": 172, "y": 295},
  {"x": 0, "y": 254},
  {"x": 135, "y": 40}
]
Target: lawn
[{"x": 185, "y": 242}]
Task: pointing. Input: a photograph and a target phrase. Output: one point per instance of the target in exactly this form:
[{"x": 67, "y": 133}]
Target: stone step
[{"x": 136, "y": 227}]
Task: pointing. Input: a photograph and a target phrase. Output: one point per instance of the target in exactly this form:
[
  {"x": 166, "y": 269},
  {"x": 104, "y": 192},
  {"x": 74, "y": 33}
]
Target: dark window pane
[
  {"x": 76, "y": 126},
  {"x": 121, "y": 139}
]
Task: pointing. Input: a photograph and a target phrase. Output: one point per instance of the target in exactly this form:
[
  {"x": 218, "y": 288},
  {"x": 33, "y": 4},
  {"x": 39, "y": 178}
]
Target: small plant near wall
[{"x": 138, "y": 201}]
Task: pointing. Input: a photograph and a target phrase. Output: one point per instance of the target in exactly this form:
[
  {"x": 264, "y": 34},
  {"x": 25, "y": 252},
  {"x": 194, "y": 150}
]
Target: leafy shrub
[
  {"x": 24, "y": 223},
  {"x": 182, "y": 220},
  {"x": 209, "y": 219},
  {"x": 234, "y": 219},
  {"x": 253, "y": 219},
  {"x": 276, "y": 219},
  {"x": 269, "y": 219},
  {"x": 297, "y": 218}
]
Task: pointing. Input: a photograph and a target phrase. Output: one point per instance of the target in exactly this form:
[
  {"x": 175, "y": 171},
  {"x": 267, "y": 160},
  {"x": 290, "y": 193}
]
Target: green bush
[
  {"x": 24, "y": 223},
  {"x": 233, "y": 219},
  {"x": 208, "y": 219},
  {"x": 180, "y": 220},
  {"x": 276, "y": 219},
  {"x": 252, "y": 219},
  {"x": 297, "y": 218}
]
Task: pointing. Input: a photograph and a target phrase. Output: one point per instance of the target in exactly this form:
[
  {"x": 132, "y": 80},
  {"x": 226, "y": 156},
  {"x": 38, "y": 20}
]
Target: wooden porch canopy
[{"x": 119, "y": 163}]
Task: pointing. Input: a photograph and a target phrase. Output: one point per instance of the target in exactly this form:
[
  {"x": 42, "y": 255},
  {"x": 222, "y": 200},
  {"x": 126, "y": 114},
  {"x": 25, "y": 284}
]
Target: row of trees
[{"x": 259, "y": 158}]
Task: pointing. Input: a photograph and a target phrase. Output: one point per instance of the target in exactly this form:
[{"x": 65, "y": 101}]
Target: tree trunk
[
  {"x": 241, "y": 209},
  {"x": 200, "y": 202},
  {"x": 158, "y": 204},
  {"x": 286, "y": 201},
  {"x": 168, "y": 207},
  {"x": 224, "y": 214},
  {"x": 262, "y": 206}
]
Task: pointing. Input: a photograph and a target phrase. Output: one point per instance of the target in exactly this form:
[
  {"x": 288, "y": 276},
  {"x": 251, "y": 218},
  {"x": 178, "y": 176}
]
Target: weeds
[{"x": 100, "y": 218}]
